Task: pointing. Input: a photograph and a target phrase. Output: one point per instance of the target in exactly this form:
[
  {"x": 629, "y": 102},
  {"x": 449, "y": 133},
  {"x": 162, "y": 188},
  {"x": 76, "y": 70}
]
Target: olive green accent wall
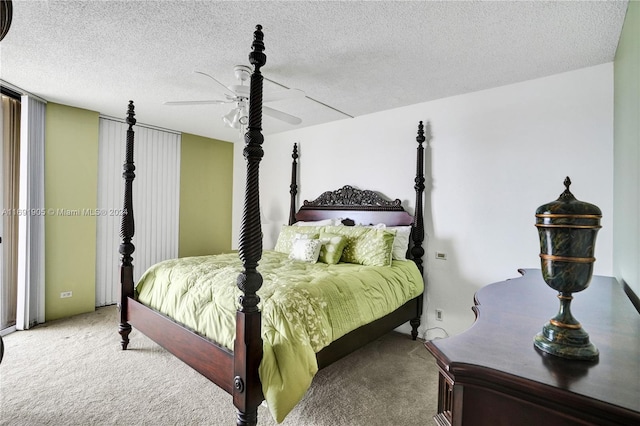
[
  {"x": 71, "y": 185},
  {"x": 626, "y": 168},
  {"x": 206, "y": 190},
  {"x": 71, "y": 182}
]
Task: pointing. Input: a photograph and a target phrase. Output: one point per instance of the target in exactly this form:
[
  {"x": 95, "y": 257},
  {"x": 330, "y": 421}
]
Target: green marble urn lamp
[{"x": 567, "y": 228}]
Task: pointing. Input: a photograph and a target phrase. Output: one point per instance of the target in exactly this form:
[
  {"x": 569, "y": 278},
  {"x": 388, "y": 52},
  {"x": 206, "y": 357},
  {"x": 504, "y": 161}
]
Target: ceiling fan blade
[
  {"x": 209, "y": 102},
  {"x": 310, "y": 98},
  {"x": 222, "y": 87},
  {"x": 287, "y": 118},
  {"x": 283, "y": 94}
]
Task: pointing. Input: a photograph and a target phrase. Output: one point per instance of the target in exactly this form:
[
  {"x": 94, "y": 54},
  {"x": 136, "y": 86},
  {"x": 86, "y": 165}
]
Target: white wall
[
  {"x": 627, "y": 152},
  {"x": 494, "y": 157}
]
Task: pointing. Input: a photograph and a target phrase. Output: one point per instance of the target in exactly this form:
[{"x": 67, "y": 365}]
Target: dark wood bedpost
[
  {"x": 247, "y": 391},
  {"x": 293, "y": 188},
  {"x": 127, "y": 230},
  {"x": 417, "y": 231}
]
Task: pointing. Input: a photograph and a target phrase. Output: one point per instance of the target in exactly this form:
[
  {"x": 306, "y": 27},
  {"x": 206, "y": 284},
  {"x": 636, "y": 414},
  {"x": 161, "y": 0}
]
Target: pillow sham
[
  {"x": 305, "y": 250},
  {"x": 332, "y": 247},
  {"x": 365, "y": 246},
  {"x": 288, "y": 234},
  {"x": 400, "y": 242},
  {"x": 323, "y": 222}
]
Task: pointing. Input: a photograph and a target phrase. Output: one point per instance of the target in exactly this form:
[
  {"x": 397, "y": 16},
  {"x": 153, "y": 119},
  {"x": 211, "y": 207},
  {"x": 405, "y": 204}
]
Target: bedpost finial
[
  {"x": 295, "y": 151},
  {"x": 420, "y": 138},
  {"x": 257, "y": 58},
  {"x": 131, "y": 114}
]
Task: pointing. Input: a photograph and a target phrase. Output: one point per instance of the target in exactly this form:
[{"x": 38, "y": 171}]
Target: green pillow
[
  {"x": 365, "y": 246},
  {"x": 289, "y": 233},
  {"x": 351, "y": 234},
  {"x": 332, "y": 247}
]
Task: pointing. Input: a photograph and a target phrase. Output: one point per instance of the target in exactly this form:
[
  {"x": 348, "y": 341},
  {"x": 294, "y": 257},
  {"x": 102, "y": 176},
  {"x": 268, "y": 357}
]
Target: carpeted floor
[{"x": 72, "y": 372}]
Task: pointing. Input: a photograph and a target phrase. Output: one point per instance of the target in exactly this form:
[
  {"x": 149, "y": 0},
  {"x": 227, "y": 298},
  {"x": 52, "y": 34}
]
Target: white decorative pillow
[
  {"x": 305, "y": 250},
  {"x": 401, "y": 242}
]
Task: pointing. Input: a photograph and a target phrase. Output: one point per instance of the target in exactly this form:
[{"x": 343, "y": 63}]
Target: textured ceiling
[{"x": 359, "y": 57}]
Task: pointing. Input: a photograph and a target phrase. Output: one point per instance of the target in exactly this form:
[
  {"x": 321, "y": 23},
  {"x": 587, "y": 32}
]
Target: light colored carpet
[{"x": 72, "y": 372}]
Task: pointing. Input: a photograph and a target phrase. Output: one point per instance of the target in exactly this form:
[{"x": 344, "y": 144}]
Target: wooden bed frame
[{"x": 237, "y": 371}]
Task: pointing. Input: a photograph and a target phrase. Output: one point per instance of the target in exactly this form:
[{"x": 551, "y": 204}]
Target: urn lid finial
[{"x": 567, "y": 196}]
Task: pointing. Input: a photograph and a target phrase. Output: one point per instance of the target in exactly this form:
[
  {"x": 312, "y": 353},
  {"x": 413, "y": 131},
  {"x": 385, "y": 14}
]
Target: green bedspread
[{"x": 304, "y": 308}]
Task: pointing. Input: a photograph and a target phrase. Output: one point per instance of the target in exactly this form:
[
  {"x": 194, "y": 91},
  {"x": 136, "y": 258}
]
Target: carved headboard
[{"x": 355, "y": 206}]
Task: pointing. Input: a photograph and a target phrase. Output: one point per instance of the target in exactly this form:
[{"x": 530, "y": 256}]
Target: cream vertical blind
[
  {"x": 30, "y": 308},
  {"x": 156, "y": 201}
]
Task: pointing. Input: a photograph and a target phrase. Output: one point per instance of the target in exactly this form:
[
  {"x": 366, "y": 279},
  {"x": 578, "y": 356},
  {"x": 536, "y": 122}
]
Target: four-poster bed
[{"x": 238, "y": 361}]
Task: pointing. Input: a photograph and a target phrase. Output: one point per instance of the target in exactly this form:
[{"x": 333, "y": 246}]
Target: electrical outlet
[
  {"x": 439, "y": 314},
  {"x": 66, "y": 294},
  {"x": 441, "y": 256}
]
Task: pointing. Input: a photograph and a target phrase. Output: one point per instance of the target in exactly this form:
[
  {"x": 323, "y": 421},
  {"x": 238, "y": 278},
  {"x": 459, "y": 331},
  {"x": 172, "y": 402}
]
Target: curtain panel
[{"x": 10, "y": 125}]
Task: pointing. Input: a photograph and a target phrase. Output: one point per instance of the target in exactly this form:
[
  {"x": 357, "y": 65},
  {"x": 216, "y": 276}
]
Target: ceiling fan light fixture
[{"x": 232, "y": 118}]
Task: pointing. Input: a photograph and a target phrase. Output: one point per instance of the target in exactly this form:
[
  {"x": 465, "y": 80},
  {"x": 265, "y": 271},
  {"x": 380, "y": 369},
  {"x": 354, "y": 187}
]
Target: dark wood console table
[{"x": 492, "y": 374}]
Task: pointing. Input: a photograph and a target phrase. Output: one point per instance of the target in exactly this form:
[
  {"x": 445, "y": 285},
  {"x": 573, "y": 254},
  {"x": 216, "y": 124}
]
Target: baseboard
[
  {"x": 7, "y": 330},
  {"x": 635, "y": 300}
]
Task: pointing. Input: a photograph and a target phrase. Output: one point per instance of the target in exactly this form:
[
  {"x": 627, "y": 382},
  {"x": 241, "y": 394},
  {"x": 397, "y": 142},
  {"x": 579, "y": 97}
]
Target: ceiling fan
[{"x": 238, "y": 94}]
